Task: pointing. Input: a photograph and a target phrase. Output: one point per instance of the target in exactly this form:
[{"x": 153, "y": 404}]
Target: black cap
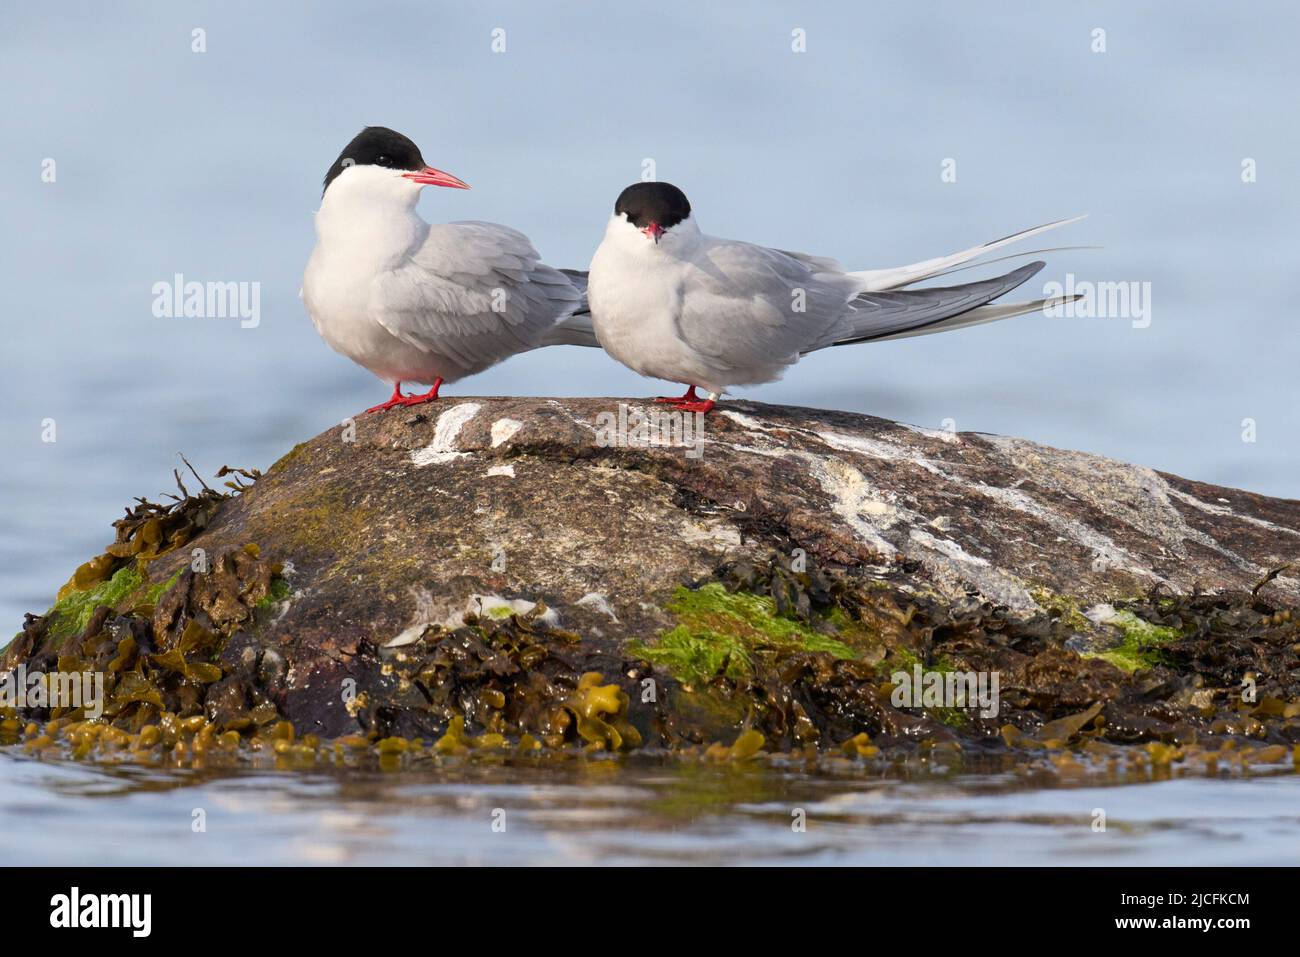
[
  {"x": 377, "y": 146},
  {"x": 646, "y": 203}
]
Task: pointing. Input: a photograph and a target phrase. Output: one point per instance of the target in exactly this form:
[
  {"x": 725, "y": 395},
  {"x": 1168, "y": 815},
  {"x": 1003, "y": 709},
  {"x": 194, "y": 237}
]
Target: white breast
[
  {"x": 635, "y": 293},
  {"x": 359, "y": 236}
]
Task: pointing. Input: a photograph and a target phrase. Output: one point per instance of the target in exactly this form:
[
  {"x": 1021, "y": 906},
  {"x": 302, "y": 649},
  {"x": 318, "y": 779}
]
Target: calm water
[{"x": 597, "y": 813}]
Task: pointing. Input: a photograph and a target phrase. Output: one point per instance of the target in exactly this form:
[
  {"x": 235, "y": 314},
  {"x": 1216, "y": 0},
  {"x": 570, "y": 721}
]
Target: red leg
[
  {"x": 429, "y": 396},
  {"x": 397, "y": 399},
  {"x": 690, "y": 396}
]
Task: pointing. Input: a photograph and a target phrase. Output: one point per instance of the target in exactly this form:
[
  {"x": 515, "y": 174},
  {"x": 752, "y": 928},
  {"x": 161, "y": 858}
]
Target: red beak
[
  {"x": 654, "y": 231},
  {"x": 435, "y": 177}
]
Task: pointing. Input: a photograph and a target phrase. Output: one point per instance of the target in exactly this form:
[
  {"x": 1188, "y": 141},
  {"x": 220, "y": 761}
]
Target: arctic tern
[
  {"x": 671, "y": 302},
  {"x": 414, "y": 302}
]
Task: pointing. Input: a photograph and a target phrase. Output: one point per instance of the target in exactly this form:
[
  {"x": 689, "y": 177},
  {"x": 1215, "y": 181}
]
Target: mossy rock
[{"x": 478, "y": 559}]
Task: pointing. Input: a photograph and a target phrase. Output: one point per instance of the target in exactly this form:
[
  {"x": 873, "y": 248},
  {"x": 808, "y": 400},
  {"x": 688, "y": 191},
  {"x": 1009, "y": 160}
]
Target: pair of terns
[{"x": 415, "y": 302}]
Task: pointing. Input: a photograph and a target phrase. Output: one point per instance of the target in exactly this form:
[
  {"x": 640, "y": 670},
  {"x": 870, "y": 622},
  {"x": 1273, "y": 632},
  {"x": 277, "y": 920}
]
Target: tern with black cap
[
  {"x": 414, "y": 302},
  {"x": 671, "y": 302}
]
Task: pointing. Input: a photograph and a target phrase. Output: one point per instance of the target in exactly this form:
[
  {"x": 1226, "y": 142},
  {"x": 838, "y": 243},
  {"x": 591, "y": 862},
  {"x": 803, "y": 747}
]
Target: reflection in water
[{"x": 644, "y": 811}]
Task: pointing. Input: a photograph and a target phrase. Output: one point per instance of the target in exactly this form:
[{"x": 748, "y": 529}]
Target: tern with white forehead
[
  {"x": 414, "y": 302},
  {"x": 671, "y": 302}
]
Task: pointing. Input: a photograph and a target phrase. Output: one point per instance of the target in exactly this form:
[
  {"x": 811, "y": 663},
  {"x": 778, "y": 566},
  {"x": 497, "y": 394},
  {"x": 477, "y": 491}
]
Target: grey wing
[
  {"x": 475, "y": 293},
  {"x": 577, "y": 329},
  {"x": 748, "y": 307},
  {"x": 879, "y": 315},
  {"x": 579, "y": 279}
]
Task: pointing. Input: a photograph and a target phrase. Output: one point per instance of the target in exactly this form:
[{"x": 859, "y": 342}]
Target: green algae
[
  {"x": 154, "y": 592},
  {"x": 1139, "y": 648},
  {"x": 278, "y": 592},
  {"x": 861, "y": 636},
  {"x": 1066, "y": 608},
  {"x": 71, "y": 613},
  {"x": 720, "y": 632},
  {"x": 837, "y": 616}
]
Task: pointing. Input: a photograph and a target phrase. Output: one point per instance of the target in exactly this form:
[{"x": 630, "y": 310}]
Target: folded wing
[
  {"x": 750, "y": 308},
  {"x": 474, "y": 293}
]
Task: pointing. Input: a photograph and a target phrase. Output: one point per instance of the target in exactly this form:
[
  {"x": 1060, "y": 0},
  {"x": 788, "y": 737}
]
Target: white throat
[
  {"x": 368, "y": 216},
  {"x": 677, "y": 241}
]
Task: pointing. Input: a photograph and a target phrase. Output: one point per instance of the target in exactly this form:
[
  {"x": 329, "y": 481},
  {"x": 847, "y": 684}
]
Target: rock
[{"x": 803, "y": 555}]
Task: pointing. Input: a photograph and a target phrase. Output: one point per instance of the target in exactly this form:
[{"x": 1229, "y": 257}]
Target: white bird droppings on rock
[
  {"x": 599, "y": 603},
  {"x": 1100, "y": 614},
  {"x": 878, "y": 449},
  {"x": 443, "y": 447},
  {"x": 744, "y": 421},
  {"x": 503, "y": 430},
  {"x": 506, "y": 470},
  {"x": 408, "y": 637},
  {"x": 855, "y": 501},
  {"x": 943, "y": 435},
  {"x": 947, "y": 547},
  {"x": 495, "y": 606}
]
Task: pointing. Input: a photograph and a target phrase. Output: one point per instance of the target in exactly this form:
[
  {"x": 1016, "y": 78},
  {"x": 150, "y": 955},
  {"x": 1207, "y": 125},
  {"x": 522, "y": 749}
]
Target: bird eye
[{"x": 383, "y": 160}]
